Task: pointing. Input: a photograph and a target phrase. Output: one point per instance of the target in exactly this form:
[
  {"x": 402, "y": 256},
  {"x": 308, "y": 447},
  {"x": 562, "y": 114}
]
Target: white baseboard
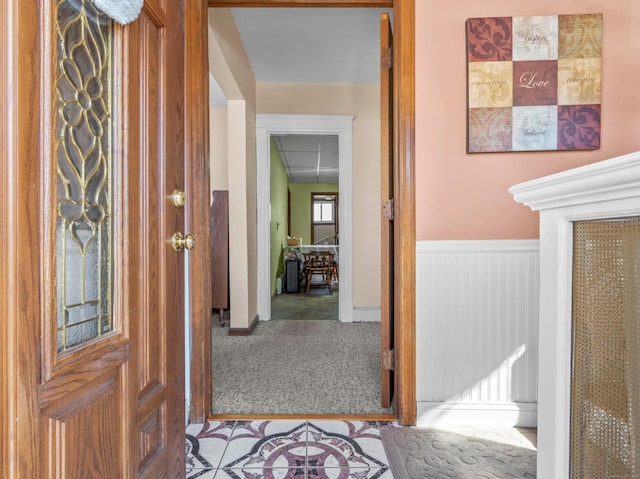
[
  {"x": 498, "y": 415},
  {"x": 366, "y": 315}
]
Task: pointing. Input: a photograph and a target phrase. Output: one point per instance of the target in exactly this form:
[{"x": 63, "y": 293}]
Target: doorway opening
[
  {"x": 404, "y": 241},
  {"x": 282, "y": 365},
  {"x": 276, "y": 127},
  {"x": 303, "y": 224},
  {"x": 340, "y": 127}
]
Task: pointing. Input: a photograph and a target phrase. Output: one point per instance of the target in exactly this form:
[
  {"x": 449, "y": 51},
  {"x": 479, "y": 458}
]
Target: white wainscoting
[{"x": 477, "y": 332}]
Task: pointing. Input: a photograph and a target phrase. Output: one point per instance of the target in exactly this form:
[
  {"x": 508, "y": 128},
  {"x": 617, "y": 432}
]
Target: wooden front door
[{"x": 93, "y": 346}]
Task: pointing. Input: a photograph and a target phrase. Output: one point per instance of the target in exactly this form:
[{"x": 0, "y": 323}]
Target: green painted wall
[
  {"x": 301, "y": 207},
  {"x": 279, "y": 186}
]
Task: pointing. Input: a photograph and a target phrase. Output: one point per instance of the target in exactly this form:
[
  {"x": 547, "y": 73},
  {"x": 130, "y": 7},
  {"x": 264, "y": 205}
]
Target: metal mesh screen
[{"x": 605, "y": 383}]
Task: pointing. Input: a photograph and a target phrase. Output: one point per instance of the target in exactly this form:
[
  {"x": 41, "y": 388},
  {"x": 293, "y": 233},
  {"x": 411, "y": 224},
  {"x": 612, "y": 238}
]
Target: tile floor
[
  {"x": 285, "y": 449},
  {"x": 318, "y": 304}
]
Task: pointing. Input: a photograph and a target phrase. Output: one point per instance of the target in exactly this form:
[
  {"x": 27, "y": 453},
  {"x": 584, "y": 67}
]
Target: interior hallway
[{"x": 307, "y": 366}]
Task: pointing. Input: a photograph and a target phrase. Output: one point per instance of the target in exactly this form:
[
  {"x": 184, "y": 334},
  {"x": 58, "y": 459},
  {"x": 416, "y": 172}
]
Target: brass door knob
[
  {"x": 179, "y": 198},
  {"x": 180, "y": 242}
]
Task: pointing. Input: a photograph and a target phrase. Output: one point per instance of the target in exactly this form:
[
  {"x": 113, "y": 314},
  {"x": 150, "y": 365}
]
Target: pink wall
[{"x": 462, "y": 196}]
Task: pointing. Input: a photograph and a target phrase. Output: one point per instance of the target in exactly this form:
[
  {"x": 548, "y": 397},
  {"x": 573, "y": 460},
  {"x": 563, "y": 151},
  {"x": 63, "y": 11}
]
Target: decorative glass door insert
[{"x": 84, "y": 230}]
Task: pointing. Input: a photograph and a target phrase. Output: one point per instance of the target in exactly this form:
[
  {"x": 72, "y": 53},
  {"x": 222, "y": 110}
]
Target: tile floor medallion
[
  {"x": 287, "y": 450},
  {"x": 204, "y": 446}
]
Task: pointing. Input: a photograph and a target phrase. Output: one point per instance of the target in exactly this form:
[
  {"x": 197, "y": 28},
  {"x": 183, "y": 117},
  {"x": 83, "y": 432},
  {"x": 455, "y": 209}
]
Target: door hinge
[
  {"x": 386, "y": 58},
  {"x": 387, "y": 209},
  {"x": 388, "y": 359}
]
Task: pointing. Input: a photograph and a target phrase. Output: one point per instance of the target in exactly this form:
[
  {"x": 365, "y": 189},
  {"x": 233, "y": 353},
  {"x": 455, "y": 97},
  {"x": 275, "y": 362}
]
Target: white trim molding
[
  {"x": 607, "y": 189},
  {"x": 450, "y": 414},
  {"x": 477, "y": 246},
  {"x": 367, "y": 315},
  {"x": 477, "y": 332},
  {"x": 610, "y": 180},
  {"x": 275, "y": 124}
]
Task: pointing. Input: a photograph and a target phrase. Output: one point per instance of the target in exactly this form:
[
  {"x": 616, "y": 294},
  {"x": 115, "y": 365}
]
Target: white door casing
[{"x": 276, "y": 124}]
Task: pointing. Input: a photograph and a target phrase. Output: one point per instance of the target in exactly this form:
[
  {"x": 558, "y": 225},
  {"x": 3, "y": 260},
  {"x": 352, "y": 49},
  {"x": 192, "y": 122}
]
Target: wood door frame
[
  {"x": 20, "y": 259},
  {"x": 404, "y": 148},
  {"x": 198, "y": 206}
]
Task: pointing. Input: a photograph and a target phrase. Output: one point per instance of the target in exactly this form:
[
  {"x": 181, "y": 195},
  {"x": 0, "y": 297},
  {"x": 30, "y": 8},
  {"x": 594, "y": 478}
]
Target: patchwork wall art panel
[{"x": 533, "y": 83}]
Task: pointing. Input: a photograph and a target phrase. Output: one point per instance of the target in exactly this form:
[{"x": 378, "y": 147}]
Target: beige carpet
[{"x": 298, "y": 367}]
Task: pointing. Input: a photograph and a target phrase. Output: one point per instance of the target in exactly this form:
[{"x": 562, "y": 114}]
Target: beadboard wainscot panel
[{"x": 477, "y": 332}]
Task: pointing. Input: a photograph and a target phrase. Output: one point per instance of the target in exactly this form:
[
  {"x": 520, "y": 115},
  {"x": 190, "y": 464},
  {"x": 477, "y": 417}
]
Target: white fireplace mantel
[{"x": 607, "y": 189}]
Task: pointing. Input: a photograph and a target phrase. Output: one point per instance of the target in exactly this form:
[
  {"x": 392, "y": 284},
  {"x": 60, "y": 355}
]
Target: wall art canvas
[{"x": 533, "y": 83}]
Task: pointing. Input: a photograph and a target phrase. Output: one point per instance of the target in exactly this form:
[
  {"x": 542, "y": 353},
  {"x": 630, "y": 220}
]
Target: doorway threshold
[{"x": 317, "y": 417}]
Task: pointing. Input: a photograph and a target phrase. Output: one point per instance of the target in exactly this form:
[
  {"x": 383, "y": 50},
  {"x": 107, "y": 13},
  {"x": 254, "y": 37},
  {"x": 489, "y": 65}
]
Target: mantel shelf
[{"x": 614, "y": 179}]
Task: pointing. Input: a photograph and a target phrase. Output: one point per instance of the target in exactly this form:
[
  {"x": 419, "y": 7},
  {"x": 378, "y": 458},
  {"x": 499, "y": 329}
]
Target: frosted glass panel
[{"x": 84, "y": 243}]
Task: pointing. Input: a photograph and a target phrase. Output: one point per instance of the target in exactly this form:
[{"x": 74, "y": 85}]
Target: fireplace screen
[{"x": 605, "y": 382}]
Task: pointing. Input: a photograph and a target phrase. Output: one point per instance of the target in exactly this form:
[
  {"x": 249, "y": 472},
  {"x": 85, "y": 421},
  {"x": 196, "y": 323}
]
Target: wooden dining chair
[{"x": 318, "y": 269}]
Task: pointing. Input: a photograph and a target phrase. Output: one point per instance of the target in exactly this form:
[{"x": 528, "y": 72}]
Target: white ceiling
[
  {"x": 309, "y": 45},
  {"x": 318, "y": 45},
  {"x": 309, "y": 158}
]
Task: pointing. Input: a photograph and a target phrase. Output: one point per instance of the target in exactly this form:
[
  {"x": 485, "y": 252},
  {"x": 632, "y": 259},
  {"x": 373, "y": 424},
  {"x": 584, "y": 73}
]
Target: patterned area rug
[{"x": 432, "y": 454}]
